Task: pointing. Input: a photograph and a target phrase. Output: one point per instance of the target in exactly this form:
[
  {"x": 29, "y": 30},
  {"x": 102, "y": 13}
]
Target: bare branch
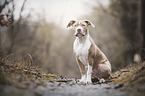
[
  {"x": 30, "y": 58},
  {"x": 4, "y": 5},
  {"x": 22, "y": 8}
]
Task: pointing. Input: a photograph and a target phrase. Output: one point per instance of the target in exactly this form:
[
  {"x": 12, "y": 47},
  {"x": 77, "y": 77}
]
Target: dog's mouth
[{"x": 79, "y": 35}]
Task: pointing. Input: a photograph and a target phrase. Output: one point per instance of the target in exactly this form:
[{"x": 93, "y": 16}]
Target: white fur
[
  {"x": 87, "y": 77},
  {"x": 89, "y": 74},
  {"x": 81, "y": 48},
  {"x": 83, "y": 79}
]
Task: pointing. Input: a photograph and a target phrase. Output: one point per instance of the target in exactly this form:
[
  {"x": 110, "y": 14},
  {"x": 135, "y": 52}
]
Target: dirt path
[
  {"x": 81, "y": 90},
  {"x": 18, "y": 80},
  {"x": 67, "y": 88}
]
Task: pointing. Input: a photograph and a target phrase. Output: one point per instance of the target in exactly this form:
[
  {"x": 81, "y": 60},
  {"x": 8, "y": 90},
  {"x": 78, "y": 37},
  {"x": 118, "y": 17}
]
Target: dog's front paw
[
  {"x": 88, "y": 81},
  {"x": 82, "y": 82},
  {"x": 83, "y": 79}
]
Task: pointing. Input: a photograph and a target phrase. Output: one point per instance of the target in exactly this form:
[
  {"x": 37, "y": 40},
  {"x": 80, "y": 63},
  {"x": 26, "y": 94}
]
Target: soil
[{"x": 67, "y": 87}]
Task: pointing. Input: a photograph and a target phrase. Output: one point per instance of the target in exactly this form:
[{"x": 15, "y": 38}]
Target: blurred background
[{"x": 38, "y": 28}]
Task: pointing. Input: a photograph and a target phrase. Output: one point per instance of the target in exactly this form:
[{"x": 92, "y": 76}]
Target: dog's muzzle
[{"x": 79, "y": 33}]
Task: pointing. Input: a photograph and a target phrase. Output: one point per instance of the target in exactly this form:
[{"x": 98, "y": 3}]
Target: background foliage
[{"x": 117, "y": 34}]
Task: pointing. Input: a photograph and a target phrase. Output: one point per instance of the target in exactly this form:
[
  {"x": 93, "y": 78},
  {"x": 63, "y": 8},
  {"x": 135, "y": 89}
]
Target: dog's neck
[{"x": 84, "y": 38}]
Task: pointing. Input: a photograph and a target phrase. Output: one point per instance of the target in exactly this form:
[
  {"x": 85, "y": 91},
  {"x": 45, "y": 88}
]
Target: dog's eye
[
  {"x": 75, "y": 25},
  {"x": 83, "y": 25}
]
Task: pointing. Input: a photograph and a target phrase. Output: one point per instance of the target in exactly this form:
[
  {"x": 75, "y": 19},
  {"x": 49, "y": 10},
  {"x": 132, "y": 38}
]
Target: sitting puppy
[{"x": 88, "y": 56}]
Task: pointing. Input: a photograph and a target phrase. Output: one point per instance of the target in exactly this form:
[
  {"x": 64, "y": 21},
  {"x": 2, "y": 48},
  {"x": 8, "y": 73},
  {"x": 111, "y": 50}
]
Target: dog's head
[{"x": 80, "y": 27}]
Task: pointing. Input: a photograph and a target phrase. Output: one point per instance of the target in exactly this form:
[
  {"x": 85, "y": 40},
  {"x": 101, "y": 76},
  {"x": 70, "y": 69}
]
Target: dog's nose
[{"x": 79, "y": 30}]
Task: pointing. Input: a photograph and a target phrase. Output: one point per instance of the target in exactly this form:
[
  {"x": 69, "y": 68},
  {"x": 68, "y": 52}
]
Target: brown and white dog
[{"x": 88, "y": 56}]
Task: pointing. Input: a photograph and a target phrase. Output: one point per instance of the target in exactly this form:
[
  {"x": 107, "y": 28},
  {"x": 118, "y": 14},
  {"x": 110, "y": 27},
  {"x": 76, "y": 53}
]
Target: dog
[{"x": 90, "y": 58}]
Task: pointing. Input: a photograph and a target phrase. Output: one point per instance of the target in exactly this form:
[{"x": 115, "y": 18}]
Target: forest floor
[{"x": 27, "y": 80}]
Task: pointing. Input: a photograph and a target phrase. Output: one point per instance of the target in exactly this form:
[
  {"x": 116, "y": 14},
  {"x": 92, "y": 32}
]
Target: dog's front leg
[
  {"x": 89, "y": 70},
  {"x": 89, "y": 74},
  {"x": 82, "y": 70}
]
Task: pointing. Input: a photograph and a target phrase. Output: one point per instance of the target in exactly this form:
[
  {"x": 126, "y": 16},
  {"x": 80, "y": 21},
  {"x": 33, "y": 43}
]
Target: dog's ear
[
  {"x": 71, "y": 23},
  {"x": 89, "y": 23}
]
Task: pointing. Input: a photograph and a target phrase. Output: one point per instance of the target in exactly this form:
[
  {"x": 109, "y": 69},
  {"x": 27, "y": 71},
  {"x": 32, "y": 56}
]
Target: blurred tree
[
  {"x": 126, "y": 12},
  {"x": 143, "y": 27},
  {"x": 3, "y": 21},
  {"x": 4, "y": 4},
  {"x": 117, "y": 30},
  {"x": 49, "y": 45},
  {"x": 14, "y": 28}
]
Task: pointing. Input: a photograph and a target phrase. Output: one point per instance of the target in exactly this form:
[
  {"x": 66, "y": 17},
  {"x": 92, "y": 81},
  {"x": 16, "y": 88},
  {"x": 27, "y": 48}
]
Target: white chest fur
[{"x": 81, "y": 48}]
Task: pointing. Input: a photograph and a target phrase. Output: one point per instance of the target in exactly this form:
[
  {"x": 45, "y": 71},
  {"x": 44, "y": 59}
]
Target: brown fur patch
[{"x": 98, "y": 60}]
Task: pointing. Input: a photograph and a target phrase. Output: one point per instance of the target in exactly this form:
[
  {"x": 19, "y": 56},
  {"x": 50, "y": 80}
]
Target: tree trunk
[{"x": 143, "y": 27}]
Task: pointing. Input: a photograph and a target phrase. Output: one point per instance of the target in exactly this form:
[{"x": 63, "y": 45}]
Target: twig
[
  {"x": 22, "y": 8},
  {"x": 30, "y": 58},
  {"x": 119, "y": 74},
  {"x": 4, "y": 5}
]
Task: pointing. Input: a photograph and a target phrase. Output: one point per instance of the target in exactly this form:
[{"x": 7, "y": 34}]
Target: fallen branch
[{"x": 119, "y": 74}]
